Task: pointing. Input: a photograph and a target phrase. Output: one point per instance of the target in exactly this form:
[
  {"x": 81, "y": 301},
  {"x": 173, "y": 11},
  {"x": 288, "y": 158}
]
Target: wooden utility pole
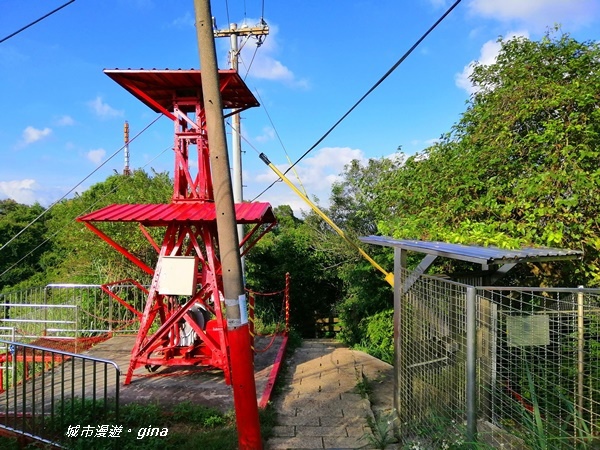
[{"x": 238, "y": 335}]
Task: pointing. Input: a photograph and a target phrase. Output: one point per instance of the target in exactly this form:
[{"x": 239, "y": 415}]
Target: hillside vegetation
[{"x": 520, "y": 167}]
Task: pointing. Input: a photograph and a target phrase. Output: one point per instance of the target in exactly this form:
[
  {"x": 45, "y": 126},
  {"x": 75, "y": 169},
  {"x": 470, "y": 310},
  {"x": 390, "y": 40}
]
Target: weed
[
  {"x": 363, "y": 386},
  {"x": 189, "y": 412},
  {"x": 7, "y": 443},
  {"x": 544, "y": 433},
  {"x": 382, "y": 430}
]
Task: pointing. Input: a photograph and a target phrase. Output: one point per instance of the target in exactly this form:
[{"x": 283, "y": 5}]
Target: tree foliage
[
  {"x": 20, "y": 259},
  {"x": 57, "y": 248},
  {"x": 352, "y": 203},
  {"x": 82, "y": 257},
  {"x": 290, "y": 248},
  {"x": 521, "y": 165}
]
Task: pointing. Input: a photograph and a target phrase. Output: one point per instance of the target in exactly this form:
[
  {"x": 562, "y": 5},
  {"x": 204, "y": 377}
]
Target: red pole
[{"x": 242, "y": 374}]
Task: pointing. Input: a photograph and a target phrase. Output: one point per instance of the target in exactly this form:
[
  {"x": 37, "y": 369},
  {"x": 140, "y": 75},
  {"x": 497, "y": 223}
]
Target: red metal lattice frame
[{"x": 189, "y": 220}]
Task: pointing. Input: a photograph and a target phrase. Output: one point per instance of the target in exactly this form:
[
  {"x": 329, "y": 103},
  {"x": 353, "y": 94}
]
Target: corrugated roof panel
[
  {"x": 162, "y": 86},
  {"x": 474, "y": 253},
  {"x": 164, "y": 214}
]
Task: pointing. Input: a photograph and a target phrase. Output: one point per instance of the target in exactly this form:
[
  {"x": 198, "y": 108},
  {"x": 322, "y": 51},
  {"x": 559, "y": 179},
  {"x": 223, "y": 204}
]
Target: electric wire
[
  {"x": 45, "y": 241},
  {"x": 271, "y": 121},
  {"x": 251, "y": 61},
  {"x": 287, "y": 155},
  {"x": 375, "y": 86},
  {"x": 77, "y": 185},
  {"x": 227, "y": 11},
  {"x": 36, "y": 21}
]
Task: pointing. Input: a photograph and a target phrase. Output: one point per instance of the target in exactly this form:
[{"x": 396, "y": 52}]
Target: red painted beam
[{"x": 266, "y": 396}]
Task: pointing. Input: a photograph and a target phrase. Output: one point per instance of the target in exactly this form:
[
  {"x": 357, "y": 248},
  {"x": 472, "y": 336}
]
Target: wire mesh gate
[{"x": 506, "y": 367}]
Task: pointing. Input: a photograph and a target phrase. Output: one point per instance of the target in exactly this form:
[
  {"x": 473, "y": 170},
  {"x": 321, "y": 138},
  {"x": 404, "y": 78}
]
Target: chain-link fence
[{"x": 503, "y": 367}]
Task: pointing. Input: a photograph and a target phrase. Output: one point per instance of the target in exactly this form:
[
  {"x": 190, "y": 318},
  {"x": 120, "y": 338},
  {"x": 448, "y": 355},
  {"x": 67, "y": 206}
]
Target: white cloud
[
  {"x": 268, "y": 134},
  {"x": 21, "y": 191},
  {"x": 96, "y": 156},
  {"x": 103, "y": 110},
  {"x": 536, "y": 15},
  {"x": 424, "y": 143},
  {"x": 265, "y": 64},
  {"x": 316, "y": 174},
  {"x": 31, "y": 134},
  {"x": 438, "y": 3},
  {"x": 184, "y": 21},
  {"x": 488, "y": 54},
  {"x": 65, "y": 121}
]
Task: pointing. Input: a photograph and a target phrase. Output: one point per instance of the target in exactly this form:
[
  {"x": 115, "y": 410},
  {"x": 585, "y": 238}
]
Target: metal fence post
[
  {"x": 110, "y": 313},
  {"x": 402, "y": 381},
  {"x": 580, "y": 359},
  {"x": 46, "y": 311},
  {"x": 471, "y": 365}
]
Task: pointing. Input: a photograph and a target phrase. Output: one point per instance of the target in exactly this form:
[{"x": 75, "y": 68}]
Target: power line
[
  {"x": 45, "y": 241},
  {"x": 227, "y": 11},
  {"x": 36, "y": 21},
  {"x": 271, "y": 121},
  {"x": 375, "y": 86},
  {"x": 75, "y": 187}
]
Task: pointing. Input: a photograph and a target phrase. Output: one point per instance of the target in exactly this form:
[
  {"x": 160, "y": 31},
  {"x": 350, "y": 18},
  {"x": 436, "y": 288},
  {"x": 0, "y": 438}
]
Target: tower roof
[
  {"x": 159, "y": 88},
  {"x": 185, "y": 212}
]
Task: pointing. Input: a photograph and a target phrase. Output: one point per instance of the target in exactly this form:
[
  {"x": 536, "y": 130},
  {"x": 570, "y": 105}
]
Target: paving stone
[
  {"x": 324, "y": 411},
  {"x": 286, "y": 420},
  {"x": 343, "y": 442},
  {"x": 302, "y": 442},
  {"x": 321, "y": 400},
  {"x": 284, "y": 431},
  {"x": 351, "y": 396},
  {"x": 348, "y": 422},
  {"x": 322, "y": 431}
]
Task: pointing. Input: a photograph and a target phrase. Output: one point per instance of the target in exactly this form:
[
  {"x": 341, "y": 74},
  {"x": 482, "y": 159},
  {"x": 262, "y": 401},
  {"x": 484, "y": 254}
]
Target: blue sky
[{"x": 62, "y": 116}]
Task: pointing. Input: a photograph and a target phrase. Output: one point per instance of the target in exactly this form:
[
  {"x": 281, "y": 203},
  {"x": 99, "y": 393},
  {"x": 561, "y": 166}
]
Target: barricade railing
[
  {"x": 70, "y": 311},
  {"x": 42, "y": 390}
]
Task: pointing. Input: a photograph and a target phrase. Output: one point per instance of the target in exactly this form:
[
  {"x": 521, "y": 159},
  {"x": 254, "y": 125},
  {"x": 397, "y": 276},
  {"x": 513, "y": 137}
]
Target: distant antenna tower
[{"x": 126, "y": 170}]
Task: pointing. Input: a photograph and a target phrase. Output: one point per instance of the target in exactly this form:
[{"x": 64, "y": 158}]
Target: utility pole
[
  {"x": 238, "y": 334},
  {"x": 233, "y": 32}
]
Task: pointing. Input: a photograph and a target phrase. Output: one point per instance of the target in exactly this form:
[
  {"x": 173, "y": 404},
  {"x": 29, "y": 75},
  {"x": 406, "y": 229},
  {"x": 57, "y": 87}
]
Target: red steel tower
[{"x": 183, "y": 322}]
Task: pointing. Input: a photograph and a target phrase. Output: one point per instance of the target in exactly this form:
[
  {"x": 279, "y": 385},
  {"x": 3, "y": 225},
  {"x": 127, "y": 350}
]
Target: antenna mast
[{"x": 126, "y": 170}]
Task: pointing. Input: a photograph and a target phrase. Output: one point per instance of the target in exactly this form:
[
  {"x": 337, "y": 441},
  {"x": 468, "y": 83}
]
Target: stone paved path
[{"x": 321, "y": 406}]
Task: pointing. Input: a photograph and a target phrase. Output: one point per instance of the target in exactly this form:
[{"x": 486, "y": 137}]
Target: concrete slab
[{"x": 172, "y": 385}]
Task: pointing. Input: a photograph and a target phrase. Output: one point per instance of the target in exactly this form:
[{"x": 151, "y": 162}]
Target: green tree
[
  {"x": 521, "y": 165},
  {"x": 290, "y": 248},
  {"x": 365, "y": 292},
  {"x": 19, "y": 259},
  {"x": 78, "y": 255}
]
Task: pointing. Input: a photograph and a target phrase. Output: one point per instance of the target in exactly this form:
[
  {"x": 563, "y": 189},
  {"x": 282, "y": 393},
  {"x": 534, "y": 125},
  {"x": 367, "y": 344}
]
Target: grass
[
  {"x": 146, "y": 427},
  {"x": 190, "y": 426}
]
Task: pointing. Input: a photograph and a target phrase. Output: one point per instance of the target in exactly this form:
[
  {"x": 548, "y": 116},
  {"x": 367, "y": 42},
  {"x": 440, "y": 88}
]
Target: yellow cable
[{"x": 389, "y": 277}]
